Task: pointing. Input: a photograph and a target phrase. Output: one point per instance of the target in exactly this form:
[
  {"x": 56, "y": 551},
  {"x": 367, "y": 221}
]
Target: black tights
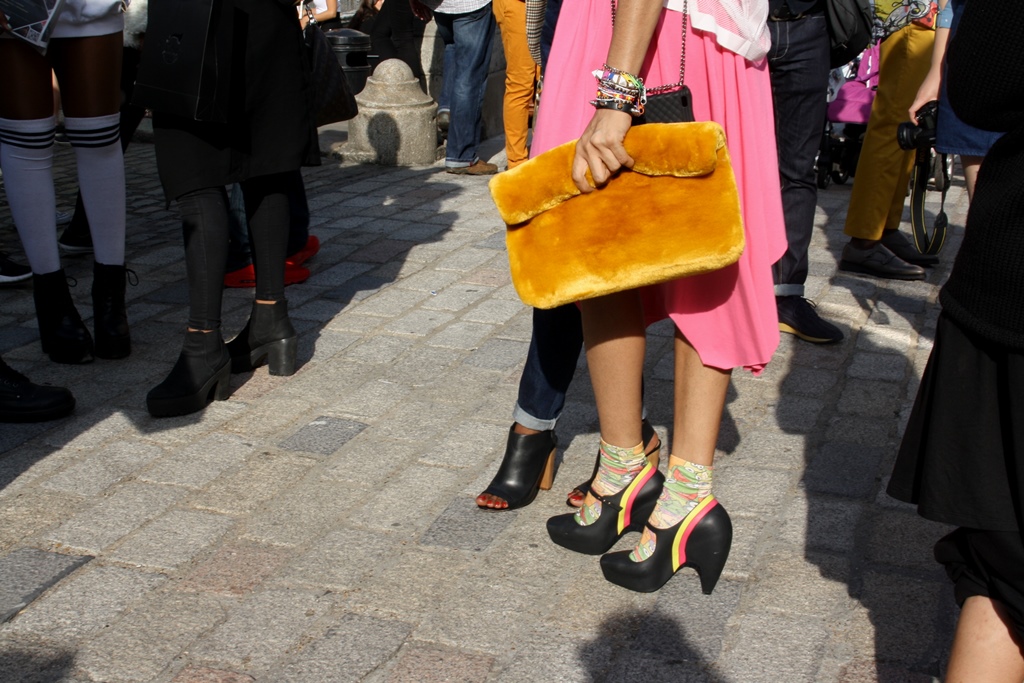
[{"x": 204, "y": 215}]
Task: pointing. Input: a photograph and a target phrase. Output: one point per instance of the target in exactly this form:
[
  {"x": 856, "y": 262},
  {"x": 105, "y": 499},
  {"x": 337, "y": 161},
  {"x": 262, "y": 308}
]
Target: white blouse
[{"x": 740, "y": 26}]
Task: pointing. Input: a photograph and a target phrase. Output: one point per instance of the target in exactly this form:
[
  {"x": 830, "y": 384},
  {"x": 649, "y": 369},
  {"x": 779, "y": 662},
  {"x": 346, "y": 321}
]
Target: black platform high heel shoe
[
  {"x": 62, "y": 334},
  {"x": 626, "y": 511},
  {"x": 528, "y": 465},
  {"x": 579, "y": 493},
  {"x": 700, "y": 540},
  {"x": 268, "y": 336},
  {"x": 201, "y": 374}
]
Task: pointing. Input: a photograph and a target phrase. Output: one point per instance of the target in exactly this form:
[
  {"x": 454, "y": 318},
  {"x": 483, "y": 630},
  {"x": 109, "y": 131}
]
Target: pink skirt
[{"x": 729, "y": 316}]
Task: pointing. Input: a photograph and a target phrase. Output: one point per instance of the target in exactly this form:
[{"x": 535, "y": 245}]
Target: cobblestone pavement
[{"x": 321, "y": 527}]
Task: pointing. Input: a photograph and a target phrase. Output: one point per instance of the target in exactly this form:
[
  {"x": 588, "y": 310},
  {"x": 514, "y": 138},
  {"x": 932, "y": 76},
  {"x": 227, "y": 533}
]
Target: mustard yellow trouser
[
  {"x": 520, "y": 75},
  {"x": 883, "y": 171}
]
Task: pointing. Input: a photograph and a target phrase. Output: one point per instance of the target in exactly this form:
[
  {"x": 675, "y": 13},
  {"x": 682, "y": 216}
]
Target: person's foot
[
  {"x": 246, "y": 276},
  {"x": 879, "y": 261},
  {"x": 308, "y": 251},
  {"x": 11, "y": 271},
  {"x": 23, "y": 401},
  {"x": 900, "y": 244},
  {"x": 798, "y": 316},
  {"x": 478, "y": 167}
]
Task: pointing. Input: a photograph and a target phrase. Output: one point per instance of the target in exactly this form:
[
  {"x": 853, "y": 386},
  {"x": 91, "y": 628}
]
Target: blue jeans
[
  {"x": 798, "y": 63},
  {"x": 471, "y": 35},
  {"x": 550, "y": 365},
  {"x": 444, "y": 100}
]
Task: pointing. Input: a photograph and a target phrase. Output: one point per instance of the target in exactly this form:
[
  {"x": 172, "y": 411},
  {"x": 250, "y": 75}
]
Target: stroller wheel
[
  {"x": 824, "y": 178},
  {"x": 840, "y": 176}
]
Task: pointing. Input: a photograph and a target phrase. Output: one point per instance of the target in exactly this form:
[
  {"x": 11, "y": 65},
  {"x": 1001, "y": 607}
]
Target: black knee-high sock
[
  {"x": 204, "y": 217},
  {"x": 266, "y": 208}
]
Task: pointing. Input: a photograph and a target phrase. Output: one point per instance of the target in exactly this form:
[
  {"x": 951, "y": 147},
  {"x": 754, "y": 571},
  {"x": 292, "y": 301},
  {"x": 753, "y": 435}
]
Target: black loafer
[
  {"x": 900, "y": 244},
  {"x": 878, "y": 261}
]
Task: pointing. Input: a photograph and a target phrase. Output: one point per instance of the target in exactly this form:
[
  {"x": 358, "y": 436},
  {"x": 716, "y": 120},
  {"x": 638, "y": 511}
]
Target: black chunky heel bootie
[
  {"x": 63, "y": 336},
  {"x": 110, "y": 317},
  {"x": 201, "y": 374},
  {"x": 268, "y": 336}
]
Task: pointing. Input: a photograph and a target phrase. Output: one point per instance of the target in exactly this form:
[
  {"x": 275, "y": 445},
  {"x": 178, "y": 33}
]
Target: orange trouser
[
  {"x": 883, "y": 171},
  {"x": 520, "y": 76}
]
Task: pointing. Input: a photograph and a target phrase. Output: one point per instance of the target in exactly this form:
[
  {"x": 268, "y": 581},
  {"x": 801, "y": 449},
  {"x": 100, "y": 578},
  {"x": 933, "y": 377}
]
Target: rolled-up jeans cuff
[
  {"x": 789, "y": 290},
  {"x": 455, "y": 163},
  {"x": 530, "y": 422}
]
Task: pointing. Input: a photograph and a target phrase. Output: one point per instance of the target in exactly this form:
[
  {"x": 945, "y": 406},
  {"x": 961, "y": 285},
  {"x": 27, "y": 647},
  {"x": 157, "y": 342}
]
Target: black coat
[{"x": 270, "y": 127}]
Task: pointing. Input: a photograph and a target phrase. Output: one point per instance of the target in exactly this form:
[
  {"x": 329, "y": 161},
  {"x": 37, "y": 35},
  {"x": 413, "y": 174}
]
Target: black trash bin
[{"x": 352, "y": 49}]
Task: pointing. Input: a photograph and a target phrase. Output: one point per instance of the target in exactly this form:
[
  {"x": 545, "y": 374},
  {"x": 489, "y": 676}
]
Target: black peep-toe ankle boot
[
  {"x": 625, "y": 511},
  {"x": 528, "y": 465},
  {"x": 63, "y": 336},
  {"x": 267, "y": 337},
  {"x": 110, "y": 317},
  {"x": 700, "y": 540},
  {"x": 201, "y": 374}
]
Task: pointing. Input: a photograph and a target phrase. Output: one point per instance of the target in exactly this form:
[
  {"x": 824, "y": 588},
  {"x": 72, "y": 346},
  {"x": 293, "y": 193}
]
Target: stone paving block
[
  {"x": 430, "y": 487},
  {"x": 886, "y": 339},
  {"x": 86, "y": 603},
  {"x": 432, "y": 663},
  {"x": 372, "y": 399},
  {"x": 350, "y": 649},
  {"x": 128, "y": 507},
  {"x": 858, "y": 430},
  {"x": 257, "y": 481},
  {"x": 868, "y": 399},
  {"x": 204, "y": 674},
  {"x": 422, "y": 366},
  {"x": 495, "y": 311},
  {"x": 339, "y": 561},
  {"x": 27, "y": 573},
  {"x": 490, "y": 277},
  {"x": 809, "y": 583},
  {"x": 462, "y": 335},
  {"x": 379, "y": 350},
  {"x": 821, "y": 523},
  {"x": 456, "y": 297},
  {"x": 29, "y": 464},
  {"x": 797, "y": 414},
  {"x": 197, "y": 465},
  {"x": 464, "y": 526},
  {"x": 419, "y": 323},
  {"x": 356, "y": 289},
  {"x": 149, "y": 637},
  {"x": 420, "y": 421},
  {"x": 174, "y": 431},
  {"x": 306, "y": 509},
  {"x": 15, "y": 434},
  {"x": 104, "y": 468},
  {"x": 30, "y": 661},
  {"x": 804, "y": 381},
  {"x": 498, "y": 354},
  {"x": 26, "y": 515},
  {"x": 343, "y": 272},
  {"x": 390, "y": 303},
  {"x": 235, "y": 569},
  {"x": 547, "y": 655},
  {"x": 272, "y": 416},
  {"x": 766, "y": 646},
  {"x": 469, "y": 444},
  {"x": 767, "y": 448},
  {"x": 259, "y": 630},
  {"x": 751, "y": 491},
  {"x": 844, "y": 470},
  {"x": 885, "y": 367},
  {"x": 172, "y": 540},
  {"x": 323, "y": 436},
  {"x": 905, "y": 540},
  {"x": 407, "y": 583}
]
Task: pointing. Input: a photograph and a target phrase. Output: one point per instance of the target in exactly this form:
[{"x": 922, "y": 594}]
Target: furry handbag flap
[{"x": 676, "y": 213}]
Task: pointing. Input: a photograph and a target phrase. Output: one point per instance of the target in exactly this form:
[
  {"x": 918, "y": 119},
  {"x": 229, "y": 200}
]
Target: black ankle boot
[
  {"x": 268, "y": 336},
  {"x": 23, "y": 401},
  {"x": 110, "y": 320},
  {"x": 200, "y": 375},
  {"x": 63, "y": 336}
]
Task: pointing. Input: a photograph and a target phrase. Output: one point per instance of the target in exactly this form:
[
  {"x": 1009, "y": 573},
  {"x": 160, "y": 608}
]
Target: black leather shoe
[
  {"x": 798, "y": 317},
  {"x": 900, "y": 244},
  {"x": 23, "y": 401},
  {"x": 878, "y": 261}
]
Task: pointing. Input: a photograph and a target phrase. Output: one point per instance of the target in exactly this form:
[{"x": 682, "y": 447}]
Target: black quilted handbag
[
  {"x": 668, "y": 103},
  {"x": 333, "y": 100}
]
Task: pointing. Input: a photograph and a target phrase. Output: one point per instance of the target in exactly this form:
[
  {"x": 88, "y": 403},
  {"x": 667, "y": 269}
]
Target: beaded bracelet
[{"x": 619, "y": 90}]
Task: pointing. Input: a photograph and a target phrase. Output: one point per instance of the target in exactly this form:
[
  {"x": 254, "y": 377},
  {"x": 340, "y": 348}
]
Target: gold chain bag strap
[{"x": 676, "y": 213}]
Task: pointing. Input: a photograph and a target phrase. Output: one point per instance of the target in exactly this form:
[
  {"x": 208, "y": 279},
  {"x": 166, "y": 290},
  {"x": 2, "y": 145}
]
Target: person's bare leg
[
  {"x": 971, "y": 166},
  {"x": 985, "y": 647}
]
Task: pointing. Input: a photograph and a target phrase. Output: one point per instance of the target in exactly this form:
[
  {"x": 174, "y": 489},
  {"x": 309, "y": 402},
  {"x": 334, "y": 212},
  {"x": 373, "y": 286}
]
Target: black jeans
[
  {"x": 798, "y": 63},
  {"x": 204, "y": 215}
]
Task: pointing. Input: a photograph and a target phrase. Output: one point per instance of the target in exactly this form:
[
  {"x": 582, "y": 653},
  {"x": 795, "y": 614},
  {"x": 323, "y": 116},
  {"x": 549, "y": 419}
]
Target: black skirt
[{"x": 962, "y": 456}]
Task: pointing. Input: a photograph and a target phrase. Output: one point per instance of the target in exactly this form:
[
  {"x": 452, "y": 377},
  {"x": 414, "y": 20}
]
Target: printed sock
[
  {"x": 618, "y": 466},
  {"x": 26, "y": 156},
  {"x": 97, "y": 144},
  {"x": 686, "y": 485}
]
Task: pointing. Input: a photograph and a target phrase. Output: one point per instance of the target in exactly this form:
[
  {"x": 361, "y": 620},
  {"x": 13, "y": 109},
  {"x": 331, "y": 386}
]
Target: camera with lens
[{"x": 920, "y": 136}]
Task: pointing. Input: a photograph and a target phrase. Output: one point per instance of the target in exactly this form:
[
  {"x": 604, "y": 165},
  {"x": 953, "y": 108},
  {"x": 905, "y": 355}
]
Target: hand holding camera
[{"x": 920, "y": 136}]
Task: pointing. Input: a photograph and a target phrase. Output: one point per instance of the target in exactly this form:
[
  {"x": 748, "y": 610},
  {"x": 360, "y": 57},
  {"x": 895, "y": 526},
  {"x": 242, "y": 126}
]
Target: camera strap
[{"x": 928, "y": 243}]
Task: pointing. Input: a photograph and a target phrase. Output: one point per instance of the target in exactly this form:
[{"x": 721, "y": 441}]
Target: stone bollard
[{"x": 396, "y": 124}]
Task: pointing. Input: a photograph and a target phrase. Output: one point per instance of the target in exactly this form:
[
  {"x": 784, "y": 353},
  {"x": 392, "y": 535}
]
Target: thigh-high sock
[
  {"x": 97, "y": 145},
  {"x": 26, "y": 156}
]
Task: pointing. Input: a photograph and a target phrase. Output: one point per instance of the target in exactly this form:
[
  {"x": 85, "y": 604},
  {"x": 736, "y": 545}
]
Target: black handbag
[
  {"x": 185, "y": 68},
  {"x": 670, "y": 103},
  {"x": 333, "y": 100}
]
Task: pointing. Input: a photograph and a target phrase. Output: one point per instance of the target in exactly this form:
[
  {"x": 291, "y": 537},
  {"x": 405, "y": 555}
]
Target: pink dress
[{"x": 729, "y": 316}]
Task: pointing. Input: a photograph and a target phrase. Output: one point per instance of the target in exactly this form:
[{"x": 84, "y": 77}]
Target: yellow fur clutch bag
[{"x": 676, "y": 213}]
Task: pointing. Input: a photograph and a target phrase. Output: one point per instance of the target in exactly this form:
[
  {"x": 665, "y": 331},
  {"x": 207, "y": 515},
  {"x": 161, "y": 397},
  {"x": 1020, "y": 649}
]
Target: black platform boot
[
  {"x": 110, "y": 319},
  {"x": 63, "y": 336},
  {"x": 201, "y": 374},
  {"x": 268, "y": 336}
]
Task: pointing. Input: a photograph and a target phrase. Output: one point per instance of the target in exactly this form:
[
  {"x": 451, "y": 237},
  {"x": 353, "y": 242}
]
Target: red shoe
[
  {"x": 306, "y": 253},
  {"x": 246, "y": 277}
]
